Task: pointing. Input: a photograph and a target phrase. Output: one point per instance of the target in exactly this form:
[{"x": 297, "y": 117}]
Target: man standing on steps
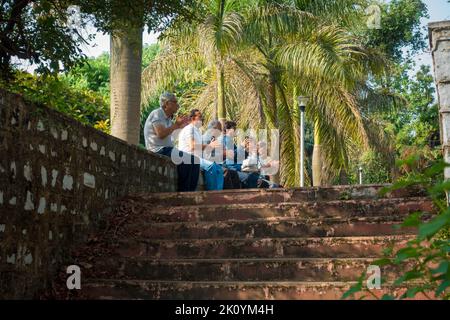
[{"x": 158, "y": 131}]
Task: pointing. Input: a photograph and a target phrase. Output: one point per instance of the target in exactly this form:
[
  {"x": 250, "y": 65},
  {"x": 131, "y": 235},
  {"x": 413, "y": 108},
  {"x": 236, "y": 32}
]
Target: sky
[
  {"x": 101, "y": 43},
  {"x": 438, "y": 10}
]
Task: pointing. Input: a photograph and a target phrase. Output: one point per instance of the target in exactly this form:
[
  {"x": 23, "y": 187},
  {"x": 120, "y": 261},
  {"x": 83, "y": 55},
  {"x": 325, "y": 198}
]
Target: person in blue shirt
[{"x": 234, "y": 156}]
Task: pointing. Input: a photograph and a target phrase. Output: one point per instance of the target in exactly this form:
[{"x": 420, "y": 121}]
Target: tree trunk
[
  {"x": 272, "y": 102},
  {"x": 343, "y": 178},
  {"x": 221, "y": 108},
  {"x": 317, "y": 160},
  {"x": 126, "y": 60}
]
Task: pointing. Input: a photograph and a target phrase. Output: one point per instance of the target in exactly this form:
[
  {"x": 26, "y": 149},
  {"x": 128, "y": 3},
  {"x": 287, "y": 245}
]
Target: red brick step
[
  {"x": 281, "y": 269},
  {"x": 322, "y": 247},
  {"x": 273, "y": 195},
  {"x": 248, "y": 244},
  {"x": 320, "y": 209},
  {"x": 272, "y": 227},
  {"x": 183, "y": 290}
]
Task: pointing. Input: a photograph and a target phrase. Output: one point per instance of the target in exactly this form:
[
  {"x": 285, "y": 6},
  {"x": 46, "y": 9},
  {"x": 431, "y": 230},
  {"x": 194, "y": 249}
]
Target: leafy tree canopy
[
  {"x": 85, "y": 105},
  {"x": 149, "y": 54},
  {"x": 93, "y": 75},
  {"x": 48, "y": 33},
  {"x": 109, "y": 15},
  {"x": 400, "y": 30},
  {"x": 39, "y": 32}
]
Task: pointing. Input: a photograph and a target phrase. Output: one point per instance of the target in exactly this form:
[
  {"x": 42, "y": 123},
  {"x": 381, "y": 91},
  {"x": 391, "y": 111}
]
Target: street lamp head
[{"x": 302, "y": 101}]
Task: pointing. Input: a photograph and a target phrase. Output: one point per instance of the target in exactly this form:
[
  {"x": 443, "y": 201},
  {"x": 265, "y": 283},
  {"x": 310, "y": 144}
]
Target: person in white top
[
  {"x": 190, "y": 140},
  {"x": 158, "y": 130},
  {"x": 267, "y": 166}
]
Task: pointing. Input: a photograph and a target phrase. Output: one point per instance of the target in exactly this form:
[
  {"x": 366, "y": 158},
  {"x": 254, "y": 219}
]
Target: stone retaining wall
[{"x": 58, "y": 178}]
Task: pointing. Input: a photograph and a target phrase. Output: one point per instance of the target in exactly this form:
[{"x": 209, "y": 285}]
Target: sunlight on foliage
[{"x": 425, "y": 260}]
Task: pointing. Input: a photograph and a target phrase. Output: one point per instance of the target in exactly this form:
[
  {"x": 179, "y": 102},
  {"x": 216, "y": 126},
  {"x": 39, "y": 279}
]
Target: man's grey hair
[
  {"x": 212, "y": 124},
  {"x": 164, "y": 97}
]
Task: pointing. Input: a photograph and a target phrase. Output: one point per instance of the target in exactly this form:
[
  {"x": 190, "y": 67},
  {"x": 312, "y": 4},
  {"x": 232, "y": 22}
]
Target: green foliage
[
  {"x": 251, "y": 57},
  {"x": 418, "y": 123},
  {"x": 291, "y": 44},
  {"x": 425, "y": 259},
  {"x": 47, "y": 32},
  {"x": 409, "y": 117},
  {"x": 149, "y": 54},
  {"x": 103, "y": 125},
  {"x": 39, "y": 32},
  {"x": 111, "y": 15},
  {"x": 92, "y": 75},
  {"x": 86, "y": 106},
  {"x": 375, "y": 169},
  {"x": 400, "y": 28},
  {"x": 411, "y": 126},
  {"x": 82, "y": 93}
]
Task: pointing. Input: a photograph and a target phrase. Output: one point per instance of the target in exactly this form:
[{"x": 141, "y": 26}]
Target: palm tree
[
  {"x": 325, "y": 61},
  {"x": 203, "y": 44},
  {"x": 126, "y": 59}
]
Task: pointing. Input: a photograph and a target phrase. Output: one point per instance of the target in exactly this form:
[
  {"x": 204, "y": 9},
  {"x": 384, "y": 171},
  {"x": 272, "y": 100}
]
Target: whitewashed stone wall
[
  {"x": 58, "y": 178},
  {"x": 440, "y": 48}
]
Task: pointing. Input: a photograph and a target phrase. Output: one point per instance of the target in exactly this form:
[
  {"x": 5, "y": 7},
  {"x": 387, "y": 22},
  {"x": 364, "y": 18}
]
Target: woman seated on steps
[
  {"x": 247, "y": 169},
  {"x": 259, "y": 164},
  {"x": 190, "y": 141},
  {"x": 267, "y": 166}
]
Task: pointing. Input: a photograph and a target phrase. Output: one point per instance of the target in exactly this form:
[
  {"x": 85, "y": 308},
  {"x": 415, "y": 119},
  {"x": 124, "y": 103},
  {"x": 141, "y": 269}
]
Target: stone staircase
[{"x": 248, "y": 244}]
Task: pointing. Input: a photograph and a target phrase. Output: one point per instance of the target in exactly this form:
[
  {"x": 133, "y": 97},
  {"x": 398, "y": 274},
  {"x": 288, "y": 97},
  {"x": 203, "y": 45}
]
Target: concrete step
[
  {"x": 324, "y": 247},
  {"x": 250, "y": 244},
  {"x": 281, "y": 269},
  {"x": 320, "y": 209},
  {"x": 167, "y": 290},
  {"x": 273, "y": 195},
  {"x": 278, "y": 227}
]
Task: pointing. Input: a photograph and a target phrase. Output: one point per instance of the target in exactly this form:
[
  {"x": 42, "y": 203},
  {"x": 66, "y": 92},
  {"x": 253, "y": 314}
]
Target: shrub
[{"x": 425, "y": 259}]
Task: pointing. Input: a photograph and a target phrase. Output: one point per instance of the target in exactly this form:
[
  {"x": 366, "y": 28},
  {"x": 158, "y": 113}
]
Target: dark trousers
[{"x": 187, "y": 172}]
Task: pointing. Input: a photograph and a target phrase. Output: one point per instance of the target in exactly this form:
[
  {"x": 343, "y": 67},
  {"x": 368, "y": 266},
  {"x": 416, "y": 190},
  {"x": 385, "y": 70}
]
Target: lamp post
[
  {"x": 360, "y": 169},
  {"x": 302, "y": 101}
]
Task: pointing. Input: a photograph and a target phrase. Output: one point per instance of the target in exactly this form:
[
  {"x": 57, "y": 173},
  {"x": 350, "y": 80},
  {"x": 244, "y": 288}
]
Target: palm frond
[
  {"x": 346, "y": 13},
  {"x": 327, "y": 52}
]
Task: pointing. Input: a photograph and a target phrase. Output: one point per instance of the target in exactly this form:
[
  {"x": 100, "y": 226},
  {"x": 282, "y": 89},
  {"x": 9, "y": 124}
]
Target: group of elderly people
[{"x": 214, "y": 153}]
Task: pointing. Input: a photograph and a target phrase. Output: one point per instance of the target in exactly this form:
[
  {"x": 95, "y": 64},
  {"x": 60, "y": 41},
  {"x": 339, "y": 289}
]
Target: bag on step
[
  {"x": 263, "y": 184},
  {"x": 251, "y": 182},
  {"x": 231, "y": 179}
]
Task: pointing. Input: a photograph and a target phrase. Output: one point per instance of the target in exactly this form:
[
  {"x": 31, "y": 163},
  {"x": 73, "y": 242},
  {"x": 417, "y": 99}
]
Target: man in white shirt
[
  {"x": 158, "y": 131},
  {"x": 267, "y": 166},
  {"x": 190, "y": 141}
]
